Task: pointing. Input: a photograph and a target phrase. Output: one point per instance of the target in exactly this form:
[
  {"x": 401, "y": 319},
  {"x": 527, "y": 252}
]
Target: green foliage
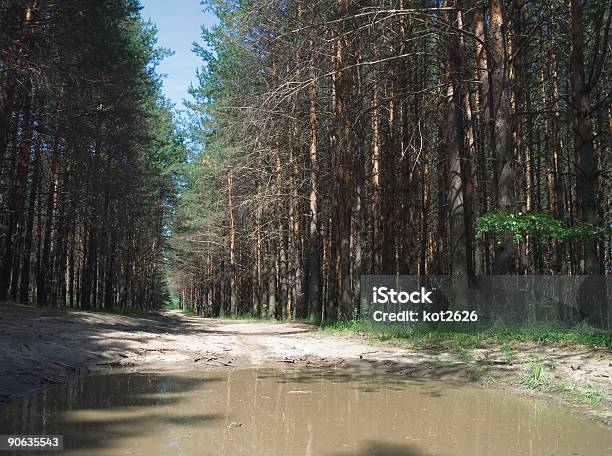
[
  {"x": 537, "y": 224},
  {"x": 591, "y": 396},
  {"x": 230, "y": 77},
  {"x": 508, "y": 353},
  {"x": 590, "y": 231},
  {"x": 537, "y": 376},
  {"x": 82, "y": 75},
  {"x": 245, "y": 318},
  {"x": 477, "y": 339},
  {"x": 172, "y": 303},
  {"x": 464, "y": 355},
  {"x": 354, "y": 325}
]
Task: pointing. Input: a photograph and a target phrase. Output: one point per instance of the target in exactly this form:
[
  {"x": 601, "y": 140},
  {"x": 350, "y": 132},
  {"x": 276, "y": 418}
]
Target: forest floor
[{"x": 41, "y": 347}]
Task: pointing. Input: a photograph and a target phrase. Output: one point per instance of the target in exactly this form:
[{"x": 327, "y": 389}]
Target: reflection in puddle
[{"x": 267, "y": 412}]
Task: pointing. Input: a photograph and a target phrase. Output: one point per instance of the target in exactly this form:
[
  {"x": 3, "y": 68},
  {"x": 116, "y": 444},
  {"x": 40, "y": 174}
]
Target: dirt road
[{"x": 41, "y": 347}]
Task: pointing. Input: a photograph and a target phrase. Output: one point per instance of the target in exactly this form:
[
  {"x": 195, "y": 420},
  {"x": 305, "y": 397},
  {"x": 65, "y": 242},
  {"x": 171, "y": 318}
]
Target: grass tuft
[
  {"x": 508, "y": 353},
  {"x": 536, "y": 378},
  {"x": 592, "y": 396},
  {"x": 464, "y": 355}
]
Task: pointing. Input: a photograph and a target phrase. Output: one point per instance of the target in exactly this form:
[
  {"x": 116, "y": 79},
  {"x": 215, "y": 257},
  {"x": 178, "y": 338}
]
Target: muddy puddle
[{"x": 269, "y": 412}]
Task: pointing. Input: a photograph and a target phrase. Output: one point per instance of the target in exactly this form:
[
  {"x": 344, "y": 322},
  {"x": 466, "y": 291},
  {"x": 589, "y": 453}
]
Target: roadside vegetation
[
  {"x": 436, "y": 339},
  {"x": 539, "y": 377}
]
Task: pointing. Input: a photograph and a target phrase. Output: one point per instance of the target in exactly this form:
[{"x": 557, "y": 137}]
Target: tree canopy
[
  {"x": 88, "y": 154},
  {"x": 343, "y": 138}
]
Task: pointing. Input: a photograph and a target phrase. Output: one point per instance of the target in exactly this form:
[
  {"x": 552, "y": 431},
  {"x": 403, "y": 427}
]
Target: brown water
[{"x": 266, "y": 412}]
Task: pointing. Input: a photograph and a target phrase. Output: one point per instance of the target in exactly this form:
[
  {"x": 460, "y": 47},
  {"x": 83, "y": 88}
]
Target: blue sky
[{"x": 179, "y": 24}]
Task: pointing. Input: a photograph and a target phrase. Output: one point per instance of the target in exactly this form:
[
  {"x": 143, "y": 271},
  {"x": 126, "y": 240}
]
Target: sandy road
[{"x": 41, "y": 347}]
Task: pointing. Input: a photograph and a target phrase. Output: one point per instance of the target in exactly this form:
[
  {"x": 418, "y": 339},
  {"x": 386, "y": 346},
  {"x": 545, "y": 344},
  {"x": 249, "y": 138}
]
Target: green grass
[
  {"x": 245, "y": 317},
  {"x": 508, "y": 353},
  {"x": 426, "y": 338},
  {"x": 344, "y": 326},
  {"x": 536, "y": 378},
  {"x": 464, "y": 355},
  {"x": 255, "y": 318},
  {"x": 591, "y": 396}
]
